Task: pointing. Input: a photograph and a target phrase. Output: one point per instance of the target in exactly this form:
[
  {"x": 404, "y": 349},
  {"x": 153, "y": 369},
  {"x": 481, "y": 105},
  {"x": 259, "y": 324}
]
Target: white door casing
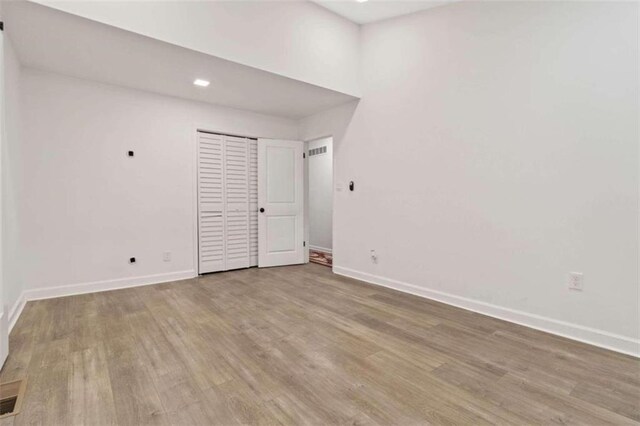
[{"x": 281, "y": 202}]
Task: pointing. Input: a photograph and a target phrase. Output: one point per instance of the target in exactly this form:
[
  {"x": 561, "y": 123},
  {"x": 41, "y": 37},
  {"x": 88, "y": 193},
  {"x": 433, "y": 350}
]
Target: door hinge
[
  {"x": 1, "y": 26},
  {"x": 304, "y": 155},
  {"x": 304, "y": 244}
]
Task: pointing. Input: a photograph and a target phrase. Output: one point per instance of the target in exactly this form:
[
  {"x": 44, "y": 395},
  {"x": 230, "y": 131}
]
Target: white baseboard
[
  {"x": 4, "y": 333},
  {"x": 577, "y": 332},
  {"x": 16, "y": 310},
  {"x": 92, "y": 287},
  {"x": 322, "y": 249}
]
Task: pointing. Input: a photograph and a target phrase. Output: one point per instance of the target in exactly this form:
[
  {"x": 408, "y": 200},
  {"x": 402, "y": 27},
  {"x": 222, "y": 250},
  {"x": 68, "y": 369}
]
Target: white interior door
[{"x": 280, "y": 202}]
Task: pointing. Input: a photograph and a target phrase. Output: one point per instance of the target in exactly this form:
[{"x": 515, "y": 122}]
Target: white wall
[
  {"x": 11, "y": 190},
  {"x": 4, "y": 336},
  {"x": 296, "y": 39},
  {"x": 85, "y": 207},
  {"x": 321, "y": 195},
  {"x": 495, "y": 149}
]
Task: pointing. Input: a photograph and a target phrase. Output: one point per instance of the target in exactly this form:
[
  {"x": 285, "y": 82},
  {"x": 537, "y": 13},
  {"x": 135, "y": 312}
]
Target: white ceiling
[
  {"x": 377, "y": 10},
  {"x": 48, "y": 39}
]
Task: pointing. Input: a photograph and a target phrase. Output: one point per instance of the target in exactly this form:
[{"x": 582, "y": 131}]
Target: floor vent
[
  {"x": 11, "y": 396},
  {"x": 8, "y": 405}
]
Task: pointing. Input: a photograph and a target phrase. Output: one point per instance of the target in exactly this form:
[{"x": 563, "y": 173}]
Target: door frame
[
  {"x": 333, "y": 198},
  {"x": 193, "y": 142}
]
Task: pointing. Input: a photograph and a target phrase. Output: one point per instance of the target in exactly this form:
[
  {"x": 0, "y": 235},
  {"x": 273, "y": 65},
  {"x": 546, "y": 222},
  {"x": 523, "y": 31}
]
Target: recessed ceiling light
[
  {"x": 361, "y": 1},
  {"x": 201, "y": 83}
]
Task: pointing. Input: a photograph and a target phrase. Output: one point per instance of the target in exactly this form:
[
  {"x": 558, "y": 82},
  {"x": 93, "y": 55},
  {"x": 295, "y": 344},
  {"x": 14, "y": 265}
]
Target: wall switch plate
[
  {"x": 576, "y": 281},
  {"x": 166, "y": 256},
  {"x": 374, "y": 256}
]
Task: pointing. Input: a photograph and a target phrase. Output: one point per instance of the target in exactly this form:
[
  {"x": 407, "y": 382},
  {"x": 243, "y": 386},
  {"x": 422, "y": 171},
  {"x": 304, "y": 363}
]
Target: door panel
[
  {"x": 281, "y": 177},
  {"x": 280, "y": 194},
  {"x": 281, "y": 234},
  {"x": 211, "y": 206},
  {"x": 236, "y": 202}
]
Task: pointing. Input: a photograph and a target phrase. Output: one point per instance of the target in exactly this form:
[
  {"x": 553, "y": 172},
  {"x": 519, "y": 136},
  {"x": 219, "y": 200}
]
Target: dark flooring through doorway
[{"x": 321, "y": 258}]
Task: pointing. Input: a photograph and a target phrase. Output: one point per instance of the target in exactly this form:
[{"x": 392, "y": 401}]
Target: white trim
[
  {"x": 4, "y": 339},
  {"x": 195, "y": 155},
  {"x": 322, "y": 249},
  {"x": 16, "y": 311},
  {"x": 97, "y": 286},
  {"x": 577, "y": 332},
  {"x": 307, "y": 224},
  {"x": 92, "y": 287}
]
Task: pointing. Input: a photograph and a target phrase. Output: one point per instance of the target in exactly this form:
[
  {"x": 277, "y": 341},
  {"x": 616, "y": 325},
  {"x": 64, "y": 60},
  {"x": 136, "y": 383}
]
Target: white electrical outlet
[
  {"x": 576, "y": 281},
  {"x": 374, "y": 256},
  {"x": 166, "y": 256}
]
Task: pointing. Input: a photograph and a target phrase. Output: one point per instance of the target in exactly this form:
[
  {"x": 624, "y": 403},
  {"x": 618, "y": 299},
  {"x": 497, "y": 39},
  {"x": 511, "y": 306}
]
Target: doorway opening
[{"x": 320, "y": 200}]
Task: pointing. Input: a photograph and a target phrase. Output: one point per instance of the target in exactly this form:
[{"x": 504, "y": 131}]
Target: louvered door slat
[{"x": 253, "y": 201}]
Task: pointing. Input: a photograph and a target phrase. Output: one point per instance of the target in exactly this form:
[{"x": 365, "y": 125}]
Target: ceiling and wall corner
[
  {"x": 43, "y": 37},
  {"x": 378, "y": 10},
  {"x": 295, "y": 39}
]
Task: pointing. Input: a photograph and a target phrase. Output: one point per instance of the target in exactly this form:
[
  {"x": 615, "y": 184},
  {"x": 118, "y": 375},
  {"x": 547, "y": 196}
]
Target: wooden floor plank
[{"x": 90, "y": 388}]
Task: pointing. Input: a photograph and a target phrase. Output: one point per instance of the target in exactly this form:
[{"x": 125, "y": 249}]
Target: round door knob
[{"x": 261, "y": 209}]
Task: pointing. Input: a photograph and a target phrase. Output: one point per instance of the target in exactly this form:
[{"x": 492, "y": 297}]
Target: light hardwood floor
[{"x": 299, "y": 345}]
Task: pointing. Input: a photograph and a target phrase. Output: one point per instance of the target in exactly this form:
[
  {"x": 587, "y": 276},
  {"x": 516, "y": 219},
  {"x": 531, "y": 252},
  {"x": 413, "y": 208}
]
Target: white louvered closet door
[
  {"x": 210, "y": 203},
  {"x": 236, "y": 172},
  {"x": 227, "y": 202}
]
